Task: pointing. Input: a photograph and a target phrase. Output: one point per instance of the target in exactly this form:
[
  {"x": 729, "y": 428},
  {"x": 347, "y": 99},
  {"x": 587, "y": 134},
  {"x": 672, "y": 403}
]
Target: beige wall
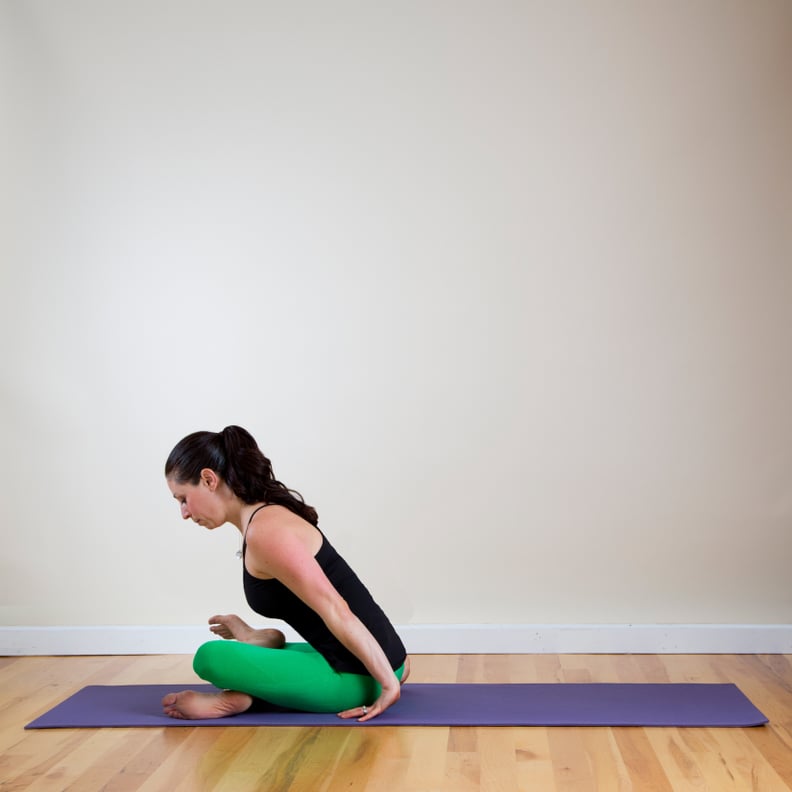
[{"x": 504, "y": 288}]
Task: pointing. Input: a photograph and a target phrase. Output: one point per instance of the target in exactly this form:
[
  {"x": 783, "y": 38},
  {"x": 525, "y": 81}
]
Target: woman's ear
[{"x": 210, "y": 478}]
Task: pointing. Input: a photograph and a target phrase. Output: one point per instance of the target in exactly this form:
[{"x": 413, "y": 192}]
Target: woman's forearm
[{"x": 356, "y": 637}]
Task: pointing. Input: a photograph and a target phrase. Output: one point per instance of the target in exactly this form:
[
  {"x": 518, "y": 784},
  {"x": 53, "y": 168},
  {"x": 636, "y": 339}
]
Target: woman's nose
[{"x": 185, "y": 512}]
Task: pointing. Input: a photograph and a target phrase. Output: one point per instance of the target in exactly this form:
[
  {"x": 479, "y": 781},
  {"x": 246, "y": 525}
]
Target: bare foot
[
  {"x": 406, "y": 672},
  {"x": 189, "y": 705},
  {"x": 231, "y": 626}
]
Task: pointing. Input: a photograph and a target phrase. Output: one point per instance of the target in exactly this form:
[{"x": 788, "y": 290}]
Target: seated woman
[{"x": 353, "y": 662}]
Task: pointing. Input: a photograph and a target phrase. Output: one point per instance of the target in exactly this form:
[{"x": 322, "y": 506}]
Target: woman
[{"x": 353, "y": 662}]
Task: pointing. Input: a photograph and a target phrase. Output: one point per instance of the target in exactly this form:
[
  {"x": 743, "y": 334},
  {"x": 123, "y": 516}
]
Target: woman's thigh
[{"x": 296, "y": 676}]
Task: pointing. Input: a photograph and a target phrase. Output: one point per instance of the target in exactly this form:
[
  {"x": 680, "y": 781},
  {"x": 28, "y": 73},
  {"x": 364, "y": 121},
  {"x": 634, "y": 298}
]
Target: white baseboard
[{"x": 433, "y": 639}]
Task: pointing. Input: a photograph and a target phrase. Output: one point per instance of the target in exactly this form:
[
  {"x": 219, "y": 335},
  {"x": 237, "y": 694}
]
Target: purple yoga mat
[{"x": 579, "y": 704}]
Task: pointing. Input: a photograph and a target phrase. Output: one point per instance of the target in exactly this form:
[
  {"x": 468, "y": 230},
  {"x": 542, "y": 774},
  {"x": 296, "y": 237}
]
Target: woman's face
[{"x": 200, "y": 502}]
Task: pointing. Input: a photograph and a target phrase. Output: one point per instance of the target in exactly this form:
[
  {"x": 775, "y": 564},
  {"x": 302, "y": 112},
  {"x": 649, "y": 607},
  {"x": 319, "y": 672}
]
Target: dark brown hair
[{"x": 235, "y": 456}]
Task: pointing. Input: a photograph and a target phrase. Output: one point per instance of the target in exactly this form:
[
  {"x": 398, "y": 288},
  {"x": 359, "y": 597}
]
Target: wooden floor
[{"x": 405, "y": 758}]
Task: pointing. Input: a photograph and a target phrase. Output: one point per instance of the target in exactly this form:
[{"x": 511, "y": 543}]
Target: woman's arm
[{"x": 276, "y": 549}]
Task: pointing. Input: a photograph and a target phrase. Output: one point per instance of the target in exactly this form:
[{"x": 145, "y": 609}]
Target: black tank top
[{"x": 272, "y": 599}]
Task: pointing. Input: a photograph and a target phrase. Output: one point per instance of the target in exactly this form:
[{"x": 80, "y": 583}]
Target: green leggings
[{"x": 296, "y": 676}]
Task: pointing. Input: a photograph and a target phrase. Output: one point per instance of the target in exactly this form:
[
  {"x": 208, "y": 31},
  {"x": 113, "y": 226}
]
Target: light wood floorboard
[{"x": 431, "y": 759}]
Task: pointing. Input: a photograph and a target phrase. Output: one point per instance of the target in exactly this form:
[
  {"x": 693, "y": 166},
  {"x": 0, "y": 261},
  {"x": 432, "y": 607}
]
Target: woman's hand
[{"x": 389, "y": 695}]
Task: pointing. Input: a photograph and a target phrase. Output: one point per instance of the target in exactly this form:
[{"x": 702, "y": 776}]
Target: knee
[{"x": 207, "y": 661}]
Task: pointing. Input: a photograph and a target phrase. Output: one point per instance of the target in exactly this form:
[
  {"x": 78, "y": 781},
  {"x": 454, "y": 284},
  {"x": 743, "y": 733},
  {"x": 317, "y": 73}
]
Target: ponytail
[{"x": 235, "y": 456}]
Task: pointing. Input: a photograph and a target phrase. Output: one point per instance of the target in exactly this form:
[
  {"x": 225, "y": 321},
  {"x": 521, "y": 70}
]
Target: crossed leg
[
  {"x": 190, "y": 705},
  {"x": 290, "y": 675}
]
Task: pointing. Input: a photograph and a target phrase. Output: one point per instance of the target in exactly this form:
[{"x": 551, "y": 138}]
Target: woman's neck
[{"x": 244, "y": 515}]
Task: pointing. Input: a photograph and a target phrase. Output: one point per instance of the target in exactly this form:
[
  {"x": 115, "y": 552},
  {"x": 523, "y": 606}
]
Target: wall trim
[{"x": 433, "y": 639}]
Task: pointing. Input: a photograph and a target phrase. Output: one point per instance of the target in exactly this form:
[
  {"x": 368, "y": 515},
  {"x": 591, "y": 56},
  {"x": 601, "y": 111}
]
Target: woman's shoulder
[
  {"x": 273, "y": 514},
  {"x": 277, "y": 525}
]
